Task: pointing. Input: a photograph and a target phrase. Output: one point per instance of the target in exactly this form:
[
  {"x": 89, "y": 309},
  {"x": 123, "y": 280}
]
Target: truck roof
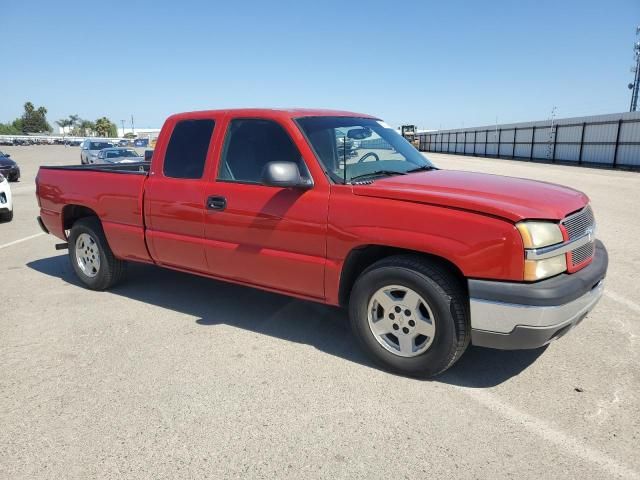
[{"x": 271, "y": 113}]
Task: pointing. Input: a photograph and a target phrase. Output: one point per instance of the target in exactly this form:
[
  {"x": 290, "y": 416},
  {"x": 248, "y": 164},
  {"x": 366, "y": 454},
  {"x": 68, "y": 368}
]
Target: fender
[{"x": 479, "y": 246}]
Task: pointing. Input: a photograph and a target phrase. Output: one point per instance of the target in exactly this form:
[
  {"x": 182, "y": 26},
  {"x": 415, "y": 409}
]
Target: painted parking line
[
  {"x": 622, "y": 300},
  {"x": 15, "y": 242},
  {"x": 563, "y": 441}
]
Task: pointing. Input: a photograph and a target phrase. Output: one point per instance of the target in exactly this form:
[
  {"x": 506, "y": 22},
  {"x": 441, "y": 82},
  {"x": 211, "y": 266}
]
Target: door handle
[{"x": 216, "y": 203}]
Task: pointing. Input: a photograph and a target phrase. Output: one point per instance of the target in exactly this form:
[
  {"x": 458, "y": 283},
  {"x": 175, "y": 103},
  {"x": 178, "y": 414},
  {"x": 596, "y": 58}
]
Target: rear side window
[{"x": 187, "y": 149}]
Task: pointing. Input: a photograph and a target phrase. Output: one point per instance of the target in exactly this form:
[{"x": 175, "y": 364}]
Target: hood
[
  {"x": 6, "y": 162},
  {"x": 511, "y": 198}
]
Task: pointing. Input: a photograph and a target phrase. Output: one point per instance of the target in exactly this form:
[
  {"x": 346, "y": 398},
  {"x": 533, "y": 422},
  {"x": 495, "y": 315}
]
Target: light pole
[
  {"x": 122, "y": 122},
  {"x": 635, "y": 86}
]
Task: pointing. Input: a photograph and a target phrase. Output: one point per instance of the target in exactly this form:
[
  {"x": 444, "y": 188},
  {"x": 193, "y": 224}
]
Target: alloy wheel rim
[
  {"x": 401, "y": 320},
  {"x": 87, "y": 255}
]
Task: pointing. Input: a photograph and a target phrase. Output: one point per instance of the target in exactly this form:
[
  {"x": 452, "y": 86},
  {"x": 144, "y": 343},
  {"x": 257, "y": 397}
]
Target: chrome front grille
[
  {"x": 582, "y": 254},
  {"x": 578, "y": 225}
]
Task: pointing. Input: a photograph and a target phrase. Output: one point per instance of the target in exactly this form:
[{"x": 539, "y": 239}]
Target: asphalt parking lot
[{"x": 175, "y": 376}]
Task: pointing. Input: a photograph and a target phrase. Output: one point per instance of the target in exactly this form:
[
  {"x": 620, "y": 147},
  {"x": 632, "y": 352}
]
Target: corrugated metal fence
[{"x": 602, "y": 140}]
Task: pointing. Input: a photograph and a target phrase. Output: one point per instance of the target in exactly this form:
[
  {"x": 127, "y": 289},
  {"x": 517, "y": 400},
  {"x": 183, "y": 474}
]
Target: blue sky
[{"x": 438, "y": 64}]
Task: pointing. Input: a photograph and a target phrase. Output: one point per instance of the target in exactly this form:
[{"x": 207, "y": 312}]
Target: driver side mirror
[{"x": 283, "y": 175}]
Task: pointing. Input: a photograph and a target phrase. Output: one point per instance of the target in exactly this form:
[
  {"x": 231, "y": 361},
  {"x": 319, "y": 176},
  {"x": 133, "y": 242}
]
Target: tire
[
  {"x": 442, "y": 314},
  {"x": 6, "y": 217},
  {"x": 87, "y": 243}
]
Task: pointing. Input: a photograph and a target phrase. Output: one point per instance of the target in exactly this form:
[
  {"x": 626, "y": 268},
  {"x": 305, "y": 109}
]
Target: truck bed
[{"x": 113, "y": 193}]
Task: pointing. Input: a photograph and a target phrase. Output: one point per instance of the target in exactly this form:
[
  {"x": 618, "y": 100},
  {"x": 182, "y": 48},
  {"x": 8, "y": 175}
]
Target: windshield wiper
[
  {"x": 424, "y": 168},
  {"x": 377, "y": 172}
]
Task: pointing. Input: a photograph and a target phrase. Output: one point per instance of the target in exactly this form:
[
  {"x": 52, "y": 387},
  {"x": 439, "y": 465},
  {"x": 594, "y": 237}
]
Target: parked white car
[
  {"x": 89, "y": 150},
  {"x": 6, "y": 201}
]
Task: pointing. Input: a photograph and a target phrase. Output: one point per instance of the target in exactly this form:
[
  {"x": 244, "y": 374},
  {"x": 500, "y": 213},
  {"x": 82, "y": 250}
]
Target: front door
[{"x": 262, "y": 235}]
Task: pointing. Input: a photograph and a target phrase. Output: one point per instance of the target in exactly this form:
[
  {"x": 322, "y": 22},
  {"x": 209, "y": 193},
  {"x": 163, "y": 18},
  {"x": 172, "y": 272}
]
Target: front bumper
[{"x": 513, "y": 316}]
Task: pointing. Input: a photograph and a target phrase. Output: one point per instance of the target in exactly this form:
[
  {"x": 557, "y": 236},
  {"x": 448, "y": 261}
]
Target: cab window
[
  {"x": 252, "y": 143},
  {"x": 187, "y": 149}
]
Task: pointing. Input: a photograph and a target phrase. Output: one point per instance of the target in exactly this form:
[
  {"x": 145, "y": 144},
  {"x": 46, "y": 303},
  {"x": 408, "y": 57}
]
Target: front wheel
[
  {"x": 91, "y": 257},
  {"x": 410, "y": 316}
]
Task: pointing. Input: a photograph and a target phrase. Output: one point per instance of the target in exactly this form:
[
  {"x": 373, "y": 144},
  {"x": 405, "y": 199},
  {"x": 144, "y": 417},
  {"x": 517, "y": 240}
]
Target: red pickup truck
[{"x": 337, "y": 207}]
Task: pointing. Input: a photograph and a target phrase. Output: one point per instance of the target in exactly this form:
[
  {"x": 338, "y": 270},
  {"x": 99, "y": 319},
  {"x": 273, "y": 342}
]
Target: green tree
[
  {"x": 106, "y": 128},
  {"x": 34, "y": 120},
  {"x": 17, "y": 124},
  {"x": 130, "y": 135},
  {"x": 83, "y": 128},
  {"x": 9, "y": 129},
  {"x": 74, "y": 119},
  {"x": 63, "y": 123}
]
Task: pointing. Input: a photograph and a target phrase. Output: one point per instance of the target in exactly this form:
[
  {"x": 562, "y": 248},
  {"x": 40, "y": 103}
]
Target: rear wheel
[
  {"x": 410, "y": 316},
  {"x": 92, "y": 258}
]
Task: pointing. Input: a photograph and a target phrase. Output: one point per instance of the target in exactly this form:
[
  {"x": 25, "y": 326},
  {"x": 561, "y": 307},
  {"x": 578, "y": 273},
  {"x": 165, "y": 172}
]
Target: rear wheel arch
[
  {"x": 72, "y": 213},
  {"x": 361, "y": 258}
]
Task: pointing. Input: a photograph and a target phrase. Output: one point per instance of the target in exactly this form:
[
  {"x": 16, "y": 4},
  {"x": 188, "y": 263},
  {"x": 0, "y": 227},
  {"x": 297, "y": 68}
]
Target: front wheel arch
[{"x": 362, "y": 257}]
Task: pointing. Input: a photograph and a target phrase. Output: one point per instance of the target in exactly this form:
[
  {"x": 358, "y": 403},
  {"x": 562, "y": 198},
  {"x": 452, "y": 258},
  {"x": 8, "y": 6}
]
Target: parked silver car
[
  {"x": 118, "y": 155},
  {"x": 89, "y": 150}
]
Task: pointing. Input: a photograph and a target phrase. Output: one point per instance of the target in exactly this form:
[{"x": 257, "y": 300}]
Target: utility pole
[
  {"x": 133, "y": 128},
  {"x": 635, "y": 86},
  {"x": 122, "y": 121}
]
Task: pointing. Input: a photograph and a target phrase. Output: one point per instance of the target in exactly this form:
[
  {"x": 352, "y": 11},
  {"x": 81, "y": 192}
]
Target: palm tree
[
  {"x": 86, "y": 127},
  {"x": 103, "y": 125},
  {"x": 63, "y": 123},
  {"x": 73, "y": 120}
]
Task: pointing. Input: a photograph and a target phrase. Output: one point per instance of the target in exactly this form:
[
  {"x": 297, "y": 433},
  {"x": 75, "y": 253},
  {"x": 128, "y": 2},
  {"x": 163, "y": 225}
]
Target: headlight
[
  {"x": 539, "y": 269},
  {"x": 538, "y": 234}
]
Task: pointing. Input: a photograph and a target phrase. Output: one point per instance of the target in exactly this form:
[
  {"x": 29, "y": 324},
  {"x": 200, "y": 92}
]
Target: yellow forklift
[{"x": 410, "y": 132}]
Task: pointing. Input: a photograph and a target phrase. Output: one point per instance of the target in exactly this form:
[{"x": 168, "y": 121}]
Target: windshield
[
  {"x": 99, "y": 145},
  {"x": 123, "y": 152},
  {"x": 366, "y": 146}
]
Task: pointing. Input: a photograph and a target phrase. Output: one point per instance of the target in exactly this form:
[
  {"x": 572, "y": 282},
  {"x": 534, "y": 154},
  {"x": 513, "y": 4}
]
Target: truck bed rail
[{"x": 137, "y": 168}]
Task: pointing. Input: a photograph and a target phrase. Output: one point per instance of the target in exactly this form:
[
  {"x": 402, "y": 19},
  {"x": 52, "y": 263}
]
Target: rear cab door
[{"x": 175, "y": 190}]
